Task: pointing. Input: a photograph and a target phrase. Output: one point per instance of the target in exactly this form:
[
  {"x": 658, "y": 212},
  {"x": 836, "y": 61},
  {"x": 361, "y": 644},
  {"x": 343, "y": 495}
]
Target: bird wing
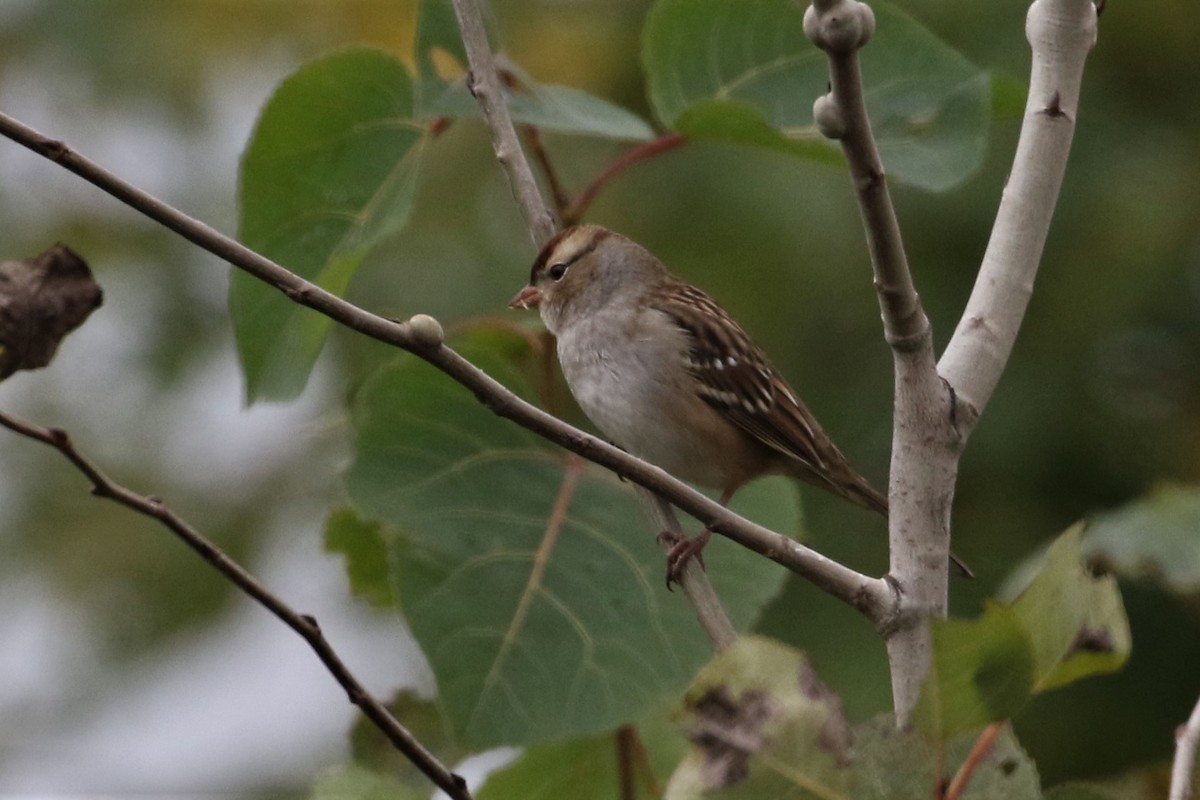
[{"x": 734, "y": 376}]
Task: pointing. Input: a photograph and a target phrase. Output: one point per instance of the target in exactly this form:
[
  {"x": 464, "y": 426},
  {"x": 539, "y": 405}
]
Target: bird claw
[{"x": 682, "y": 551}]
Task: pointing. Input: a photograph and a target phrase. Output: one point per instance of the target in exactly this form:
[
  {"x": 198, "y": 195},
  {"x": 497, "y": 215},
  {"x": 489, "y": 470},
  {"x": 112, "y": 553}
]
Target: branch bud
[
  {"x": 839, "y": 27},
  {"x": 426, "y": 331},
  {"x": 828, "y": 117}
]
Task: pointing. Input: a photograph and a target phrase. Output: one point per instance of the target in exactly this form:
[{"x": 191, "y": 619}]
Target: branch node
[
  {"x": 891, "y": 619},
  {"x": 839, "y": 27},
  {"x": 311, "y": 621},
  {"x": 1054, "y": 108},
  {"x": 59, "y": 437}
]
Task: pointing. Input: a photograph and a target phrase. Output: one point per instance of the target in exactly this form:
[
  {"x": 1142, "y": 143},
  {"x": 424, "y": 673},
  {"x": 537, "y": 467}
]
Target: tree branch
[
  {"x": 484, "y": 83},
  {"x": 1060, "y": 33},
  {"x": 422, "y": 336},
  {"x": 924, "y": 444},
  {"x": 1186, "y": 739},
  {"x": 303, "y": 624}
]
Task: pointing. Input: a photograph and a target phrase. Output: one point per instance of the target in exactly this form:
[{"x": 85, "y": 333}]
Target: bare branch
[
  {"x": 422, "y": 336},
  {"x": 695, "y": 581},
  {"x": 1186, "y": 739},
  {"x": 1061, "y": 33},
  {"x": 303, "y": 624},
  {"x": 924, "y": 444},
  {"x": 484, "y": 83}
]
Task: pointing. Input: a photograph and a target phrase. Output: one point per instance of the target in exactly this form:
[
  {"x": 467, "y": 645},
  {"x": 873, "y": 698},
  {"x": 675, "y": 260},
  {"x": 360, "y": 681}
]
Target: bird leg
[{"x": 684, "y": 549}]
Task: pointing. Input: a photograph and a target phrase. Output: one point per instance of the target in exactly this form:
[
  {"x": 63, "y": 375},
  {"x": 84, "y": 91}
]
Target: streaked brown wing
[{"x": 735, "y": 377}]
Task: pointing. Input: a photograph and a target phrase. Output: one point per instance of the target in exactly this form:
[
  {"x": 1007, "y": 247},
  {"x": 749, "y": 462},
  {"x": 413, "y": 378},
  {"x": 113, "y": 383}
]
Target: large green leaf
[
  {"x": 553, "y": 108},
  {"x": 1157, "y": 537},
  {"x": 539, "y": 623},
  {"x": 1075, "y": 620},
  {"x": 1065, "y": 624},
  {"x": 743, "y": 71},
  {"x": 330, "y": 171},
  {"x": 982, "y": 671},
  {"x": 762, "y": 725}
]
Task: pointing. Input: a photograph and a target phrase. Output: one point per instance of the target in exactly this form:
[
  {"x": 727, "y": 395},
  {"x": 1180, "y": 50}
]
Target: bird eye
[{"x": 557, "y": 271}]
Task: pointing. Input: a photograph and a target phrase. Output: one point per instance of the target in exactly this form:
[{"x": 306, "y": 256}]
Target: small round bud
[
  {"x": 828, "y": 118},
  {"x": 839, "y": 27},
  {"x": 426, "y": 331}
]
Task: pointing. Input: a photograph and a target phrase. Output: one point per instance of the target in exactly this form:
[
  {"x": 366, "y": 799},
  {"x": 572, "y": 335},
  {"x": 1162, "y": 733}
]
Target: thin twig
[
  {"x": 484, "y": 83},
  {"x": 697, "y": 587},
  {"x": 979, "y": 750},
  {"x": 303, "y": 624},
  {"x": 874, "y": 597},
  {"x": 668, "y": 141},
  {"x": 1187, "y": 736}
]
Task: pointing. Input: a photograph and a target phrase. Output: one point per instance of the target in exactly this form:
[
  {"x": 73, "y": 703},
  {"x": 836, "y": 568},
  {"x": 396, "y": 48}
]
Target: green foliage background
[{"x": 1100, "y": 404}]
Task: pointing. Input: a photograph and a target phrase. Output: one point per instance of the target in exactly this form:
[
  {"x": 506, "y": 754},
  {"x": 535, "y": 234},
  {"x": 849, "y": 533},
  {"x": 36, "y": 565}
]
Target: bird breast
[{"x": 627, "y": 373}]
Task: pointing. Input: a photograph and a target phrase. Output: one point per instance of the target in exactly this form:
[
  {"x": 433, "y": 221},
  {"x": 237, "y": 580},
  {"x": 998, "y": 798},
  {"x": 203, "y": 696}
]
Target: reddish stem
[
  {"x": 979, "y": 751},
  {"x": 662, "y": 144}
]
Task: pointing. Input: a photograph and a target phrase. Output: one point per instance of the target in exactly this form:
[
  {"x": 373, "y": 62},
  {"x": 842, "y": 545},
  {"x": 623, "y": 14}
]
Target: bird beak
[{"x": 529, "y": 297}]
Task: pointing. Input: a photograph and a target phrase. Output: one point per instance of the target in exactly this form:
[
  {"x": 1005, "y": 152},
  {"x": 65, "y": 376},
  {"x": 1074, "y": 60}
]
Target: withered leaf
[{"x": 42, "y": 299}]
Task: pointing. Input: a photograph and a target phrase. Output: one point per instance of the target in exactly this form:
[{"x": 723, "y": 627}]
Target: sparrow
[{"x": 669, "y": 376}]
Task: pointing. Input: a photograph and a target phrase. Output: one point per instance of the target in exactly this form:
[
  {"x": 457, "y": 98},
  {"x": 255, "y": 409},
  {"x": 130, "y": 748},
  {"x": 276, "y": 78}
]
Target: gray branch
[{"x": 484, "y": 83}]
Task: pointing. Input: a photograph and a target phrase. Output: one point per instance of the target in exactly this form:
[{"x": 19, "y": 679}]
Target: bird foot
[{"x": 683, "y": 550}]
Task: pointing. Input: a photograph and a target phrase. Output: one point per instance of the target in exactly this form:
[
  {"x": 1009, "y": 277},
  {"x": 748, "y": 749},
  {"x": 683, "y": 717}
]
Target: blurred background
[{"x": 127, "y": 666}]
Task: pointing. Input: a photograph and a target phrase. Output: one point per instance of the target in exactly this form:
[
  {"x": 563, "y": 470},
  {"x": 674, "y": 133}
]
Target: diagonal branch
[
  {"x": 303, "y": 624},
  {"x": 422, "y": 336},
  {"x": 1060, "y": 33}
]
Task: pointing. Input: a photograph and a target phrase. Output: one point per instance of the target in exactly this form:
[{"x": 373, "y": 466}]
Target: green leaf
[
  {"x": 361, "y": 543},
  {"x": 903, "y": 765},
  {"x": 440, "y": 55},
  {"x": 586, "y": 769},
  {"x": 982, "y": 671},
  {"x": 1076, "y": 621},
  {"x": 929, "y": 106},
  {"x": 762, "y": 725},
  {"x": 551, "y": 108},
  {"x": 892, "y": 764},
  {"x": 1157, "y": 538},
  {"x": 356, "y": 783},
  {"x": 539, "y": 623},
  {"x": 739, "y": 122},
  {"x": 330, "y": 171}
]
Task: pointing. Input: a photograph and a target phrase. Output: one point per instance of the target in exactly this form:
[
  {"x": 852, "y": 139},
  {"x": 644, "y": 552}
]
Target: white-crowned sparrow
[{"x": 669, "y": 376}]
